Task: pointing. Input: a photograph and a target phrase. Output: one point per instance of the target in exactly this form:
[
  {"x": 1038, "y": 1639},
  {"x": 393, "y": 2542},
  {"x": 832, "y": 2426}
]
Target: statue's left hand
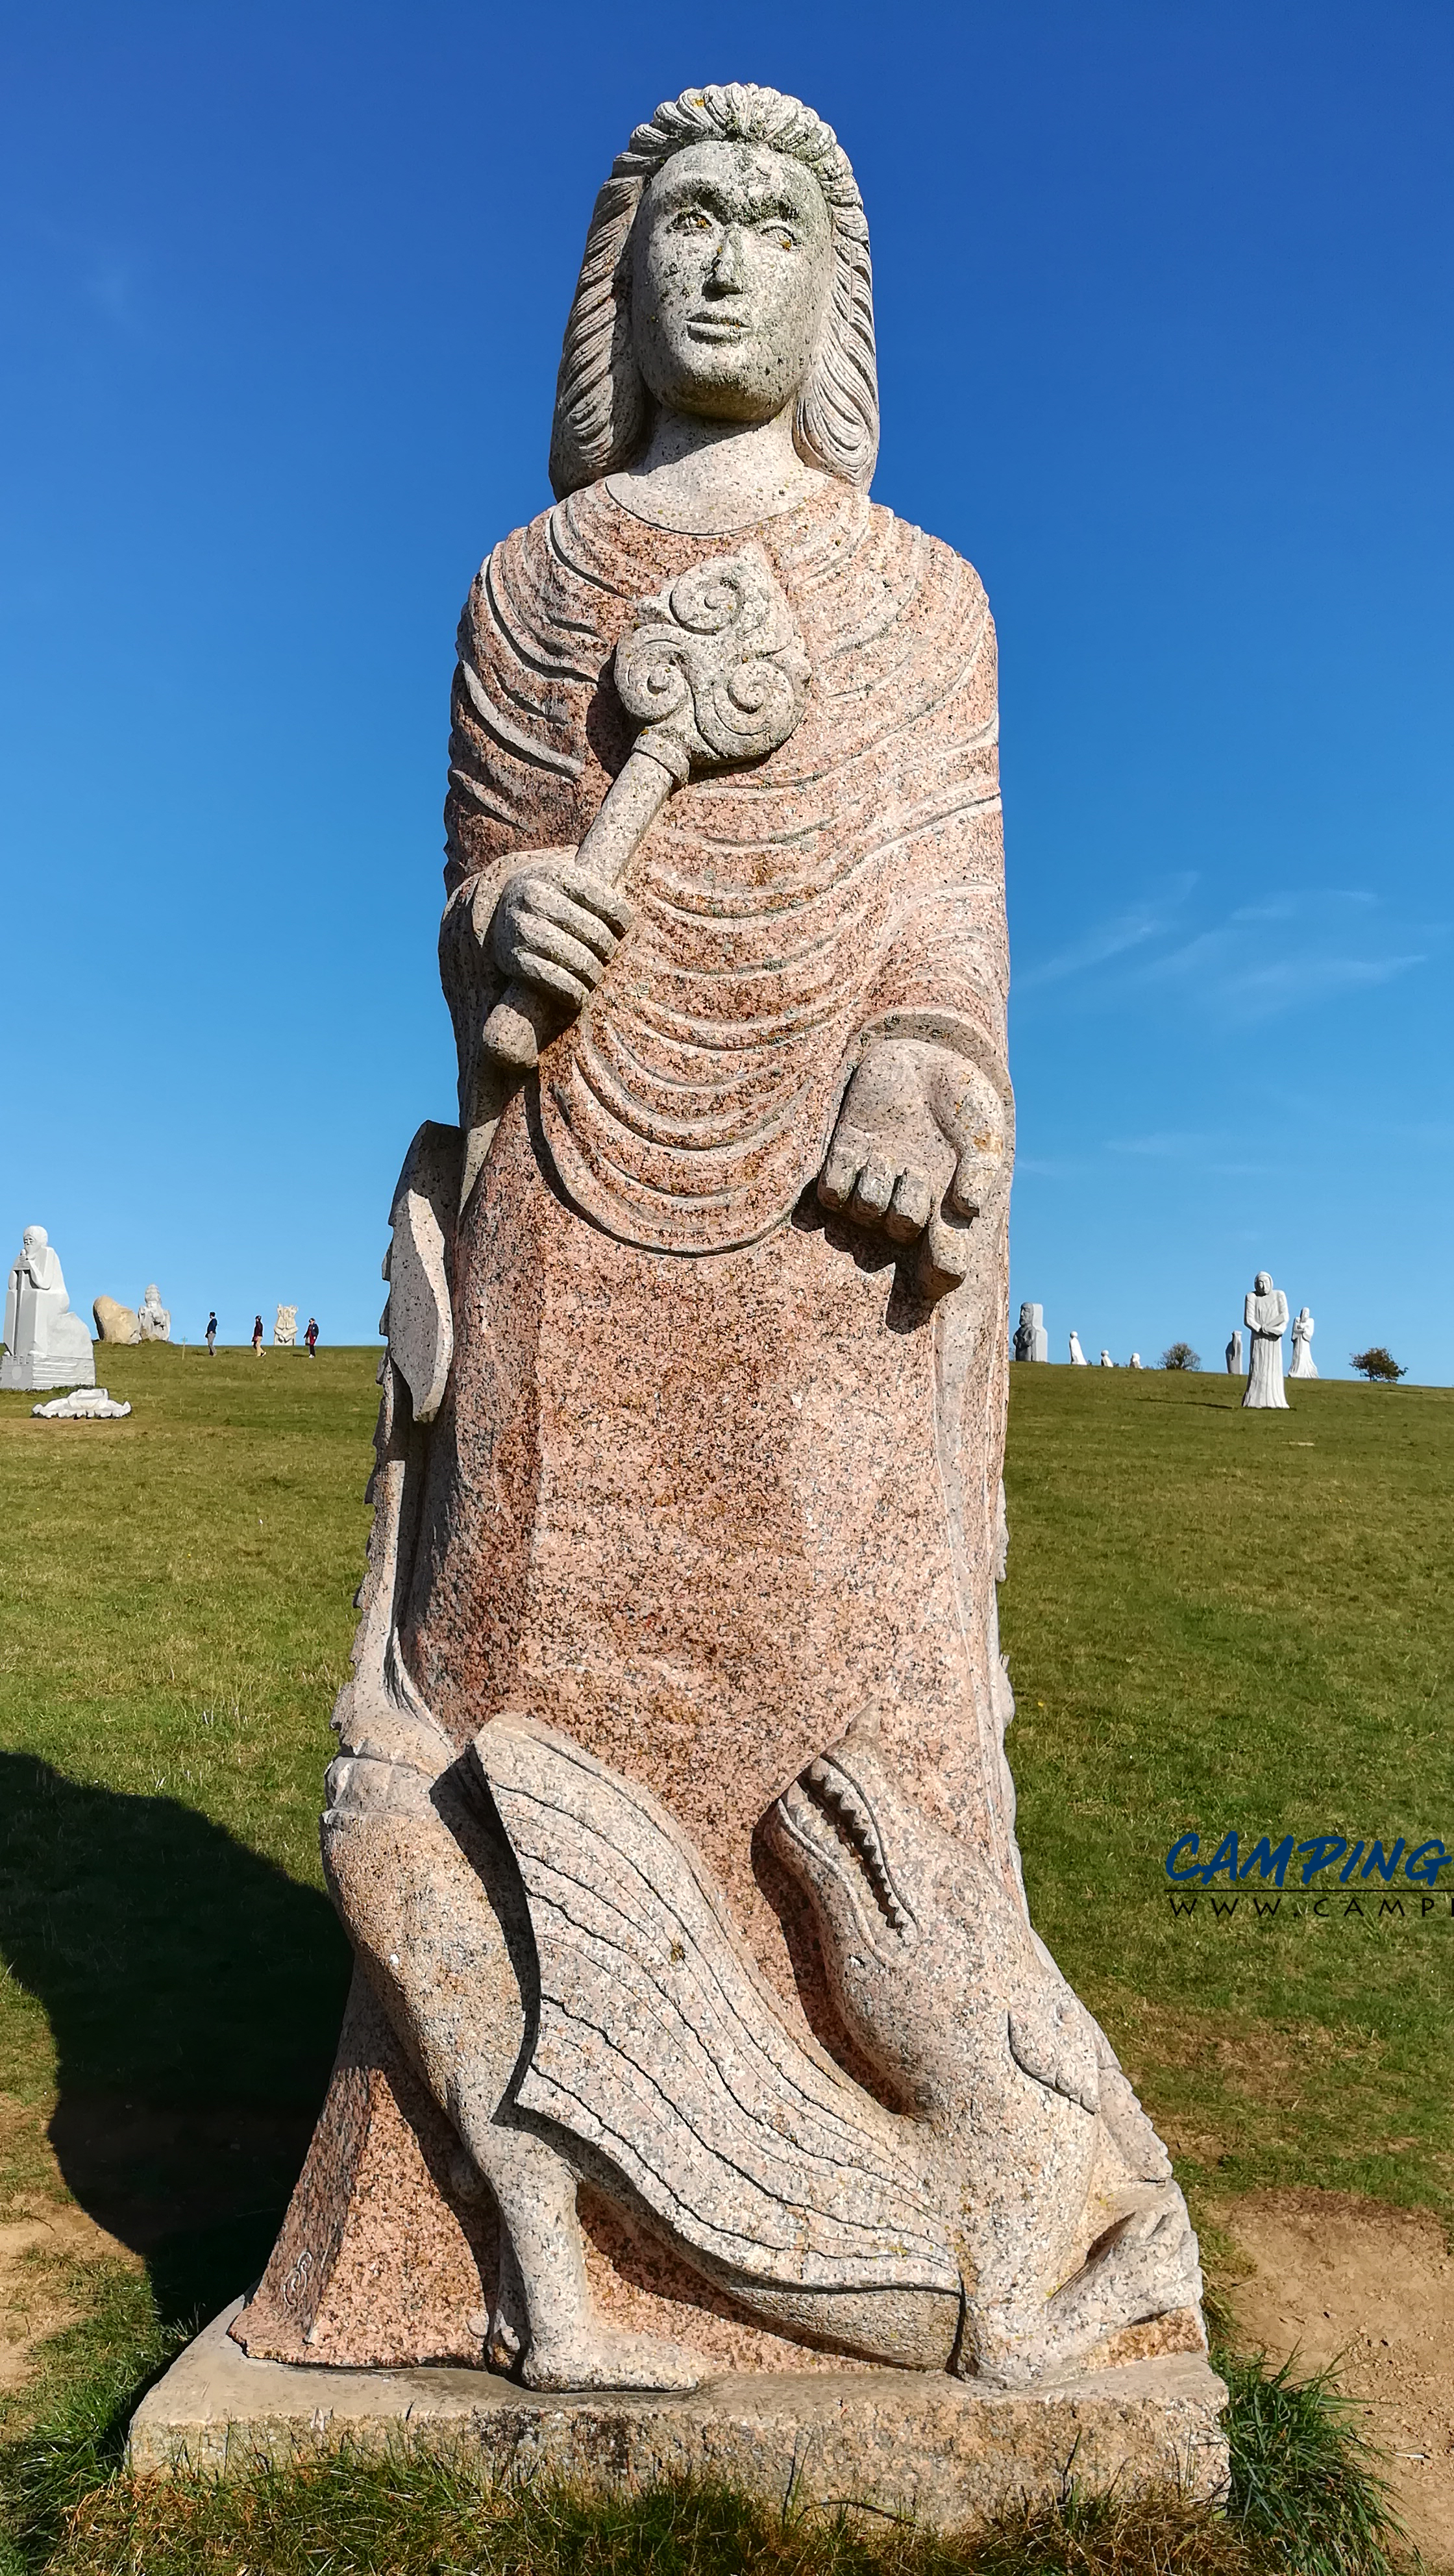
[{"x": 919, "y": 1153}]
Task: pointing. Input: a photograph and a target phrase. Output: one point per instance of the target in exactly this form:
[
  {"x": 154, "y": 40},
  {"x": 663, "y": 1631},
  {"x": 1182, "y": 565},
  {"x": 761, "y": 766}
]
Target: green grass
[
  {"x": 1223, "y": 1620},
  {"x": 172, "y": 1633},
  {"x": 1213, "y": 1619}
]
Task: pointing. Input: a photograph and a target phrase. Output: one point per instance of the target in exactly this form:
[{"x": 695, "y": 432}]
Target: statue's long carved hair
[{"x": 602, "y": 407}]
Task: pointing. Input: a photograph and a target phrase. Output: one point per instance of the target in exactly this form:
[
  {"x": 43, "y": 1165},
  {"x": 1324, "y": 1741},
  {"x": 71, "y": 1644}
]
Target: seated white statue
[
  {"x": 1135, "y": 1360},
  {"x": 154, "y": 1319},
  {"x": 1077, "y": 1356},
  {"x": 1106, "y": 1360},
  {"x": 1265, "y": 1315},
  {"x": 1303, "y": 1362},
  {"x": 45, "y": 1344}
]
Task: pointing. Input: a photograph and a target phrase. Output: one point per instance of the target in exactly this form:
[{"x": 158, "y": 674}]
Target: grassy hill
[{"x": 1215, "y": 1621}]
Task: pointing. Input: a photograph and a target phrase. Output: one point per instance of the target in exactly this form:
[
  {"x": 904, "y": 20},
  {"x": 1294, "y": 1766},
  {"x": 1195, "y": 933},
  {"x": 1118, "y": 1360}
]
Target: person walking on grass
[
  {"x": 257, "y": 1337},
  {"x": 311, "y": 1336},
  {"x": 212, "y": 1333}
]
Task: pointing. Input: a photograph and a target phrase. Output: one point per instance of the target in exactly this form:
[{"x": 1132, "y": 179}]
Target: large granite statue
[
  {"x": 698, "y": 2020},
  {"x": 1265, "y": 1316},
  {"x": 45, "y": 1344},
  {"x": 154, "y": 1320},
  {"x": 1032, "y": 1342},
  {"x": 1303, "y": 1329}
]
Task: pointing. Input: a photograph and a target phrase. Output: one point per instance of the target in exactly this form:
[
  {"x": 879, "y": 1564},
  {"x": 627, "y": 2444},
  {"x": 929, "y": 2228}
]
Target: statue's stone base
[
  {"x": 35, "y": 1376},
  {"x": 907, "y": 2442}
]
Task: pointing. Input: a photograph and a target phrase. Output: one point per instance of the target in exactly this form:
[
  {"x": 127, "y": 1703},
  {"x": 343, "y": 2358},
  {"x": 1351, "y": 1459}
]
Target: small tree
[
  {"x": 1181, "y": 1356},
  {"x": 1377, "y": 1363}
]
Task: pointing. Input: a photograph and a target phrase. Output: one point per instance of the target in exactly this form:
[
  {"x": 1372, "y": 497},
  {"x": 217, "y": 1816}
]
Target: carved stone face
[
  {"x": 732, "y": 261},
  {"x": 1262, "y": 1286}
]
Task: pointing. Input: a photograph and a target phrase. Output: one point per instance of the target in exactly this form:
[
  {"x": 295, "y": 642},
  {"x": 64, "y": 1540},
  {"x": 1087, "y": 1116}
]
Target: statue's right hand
[{"x": 558, "y": 927}]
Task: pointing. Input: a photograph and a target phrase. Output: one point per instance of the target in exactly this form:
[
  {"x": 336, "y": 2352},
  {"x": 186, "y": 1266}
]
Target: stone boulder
[{"x": 115, "y": 1322}]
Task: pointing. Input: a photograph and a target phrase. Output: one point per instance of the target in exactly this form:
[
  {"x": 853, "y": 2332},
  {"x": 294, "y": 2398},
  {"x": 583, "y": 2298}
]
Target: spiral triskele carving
[{"x": 713, "y": 668}]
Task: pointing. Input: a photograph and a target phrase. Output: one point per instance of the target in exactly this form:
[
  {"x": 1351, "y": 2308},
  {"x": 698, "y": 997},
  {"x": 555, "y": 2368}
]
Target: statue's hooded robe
[{"x": 709, "y": 1477}]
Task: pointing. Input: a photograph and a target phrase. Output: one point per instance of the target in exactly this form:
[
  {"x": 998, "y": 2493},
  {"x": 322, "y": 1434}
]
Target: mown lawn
[
  {"x": 1230, "y": 1621},
  {"x": 1215, "y": 1621}
]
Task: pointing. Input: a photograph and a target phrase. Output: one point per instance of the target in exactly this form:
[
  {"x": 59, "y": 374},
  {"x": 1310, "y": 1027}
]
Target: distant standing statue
[
  {"x": 154, "y": 1318},
  {"x": 45, "y": 1344},
  {"x": 285, "y": 1329},
  {"x": 1266, "y": 1319},
  {"x": 1077, "y": 1356},
  {"x": 1032, "y": 1342},
  {"x": 1234, "y": 1355},
  {"x": 1303, "y": 1362}
]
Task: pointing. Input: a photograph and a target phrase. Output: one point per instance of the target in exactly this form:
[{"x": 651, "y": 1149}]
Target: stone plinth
[{"x": 910, "y": 2442}]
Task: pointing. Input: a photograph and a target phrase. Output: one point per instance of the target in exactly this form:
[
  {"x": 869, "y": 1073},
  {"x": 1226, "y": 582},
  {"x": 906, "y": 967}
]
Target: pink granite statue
[{"x": 698, "y": 2021}]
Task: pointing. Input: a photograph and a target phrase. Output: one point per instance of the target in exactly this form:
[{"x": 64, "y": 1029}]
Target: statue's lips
[
  {"x": 828, "y": 1816},
  {"x": 716, "y": 326}
]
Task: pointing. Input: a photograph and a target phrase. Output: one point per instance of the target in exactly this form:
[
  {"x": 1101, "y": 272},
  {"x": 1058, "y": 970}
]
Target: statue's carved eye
[
  {"x": 779, "y": 236},
  {"x": 692, "y": 220}
]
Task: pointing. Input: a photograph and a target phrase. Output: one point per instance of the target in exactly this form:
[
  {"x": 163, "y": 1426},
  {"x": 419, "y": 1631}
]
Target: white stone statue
[
  {"x": 285, "y": 1330},
  {"x": 1266, "y": 1319},
  {"x": 1032, "y": 1342},
  {"x": 153, "y": 1318},
  {"x": 1234, "y": 1355},
  {"x": 1106, "y": 1360},
  {"x": 1135, "y": 1360},
  {"x": 45, "y": 1344},
  {"x": 1077, "y": 1356},
  {"x": 1303, "y": 1362},
  {"x": 87, "y": 1404}
]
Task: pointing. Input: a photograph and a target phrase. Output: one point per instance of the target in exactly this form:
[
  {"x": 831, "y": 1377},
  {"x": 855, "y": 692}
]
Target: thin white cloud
[
  {"x": 1259, "y": 961},
  {"x": 1114, "y": 939}
]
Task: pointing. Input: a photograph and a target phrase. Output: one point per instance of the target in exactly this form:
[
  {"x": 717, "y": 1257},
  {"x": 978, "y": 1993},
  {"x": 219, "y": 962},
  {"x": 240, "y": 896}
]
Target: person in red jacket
[{"x": 311, "y": 1336}]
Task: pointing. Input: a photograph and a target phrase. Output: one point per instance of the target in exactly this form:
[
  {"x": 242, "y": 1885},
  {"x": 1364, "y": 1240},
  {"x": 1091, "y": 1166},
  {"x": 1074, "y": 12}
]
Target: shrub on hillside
[
  {"x": 1377, "y": 1363},
  {"x": 1182, "y": 1356}
]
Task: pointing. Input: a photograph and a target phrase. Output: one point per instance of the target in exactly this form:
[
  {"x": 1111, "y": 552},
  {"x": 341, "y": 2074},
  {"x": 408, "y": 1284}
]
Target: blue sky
[{"x": 1165, "y": 340}]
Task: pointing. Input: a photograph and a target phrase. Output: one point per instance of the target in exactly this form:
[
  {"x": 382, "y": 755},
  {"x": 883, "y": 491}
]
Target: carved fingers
[
  {"x": 919, "y": 1152},
  {"x": 861, "y": 1180},
  {"x": 558, "y": 927}
]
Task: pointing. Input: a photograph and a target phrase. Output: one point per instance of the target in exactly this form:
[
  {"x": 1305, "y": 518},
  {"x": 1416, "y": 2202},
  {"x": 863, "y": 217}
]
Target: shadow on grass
[{"x": 194, "y": 1992}]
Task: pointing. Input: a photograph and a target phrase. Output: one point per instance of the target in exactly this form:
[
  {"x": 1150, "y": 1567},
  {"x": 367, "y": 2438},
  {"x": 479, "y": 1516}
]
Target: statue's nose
[{"x": 727, "y": 268}]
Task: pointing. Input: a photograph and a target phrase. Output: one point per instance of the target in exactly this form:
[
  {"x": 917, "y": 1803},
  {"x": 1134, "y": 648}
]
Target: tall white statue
[
  {"x": 1265, "y": 1315},
  {"x": 1032, "y": 1342},
  {"x": 1077, "y": 1356},
  {"x": 1234, "y": 1355},
  {"x": 1303, "y": 1362},
  {"x": 153, "y": 1318},
  {"x": 285, "y": 1329},
  {"x": 45, "y": 1344}
]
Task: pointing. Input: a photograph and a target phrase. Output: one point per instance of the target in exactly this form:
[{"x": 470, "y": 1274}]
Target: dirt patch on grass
[
  {"x": 41, "y": 2242},
  {"x": 43, "y": 2237},
  {"x": 1336, "y": 2278}
]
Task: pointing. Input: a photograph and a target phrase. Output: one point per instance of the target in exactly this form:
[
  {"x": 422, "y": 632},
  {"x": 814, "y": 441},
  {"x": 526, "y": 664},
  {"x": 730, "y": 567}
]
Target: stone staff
[{"x": 714, "y": 670}]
